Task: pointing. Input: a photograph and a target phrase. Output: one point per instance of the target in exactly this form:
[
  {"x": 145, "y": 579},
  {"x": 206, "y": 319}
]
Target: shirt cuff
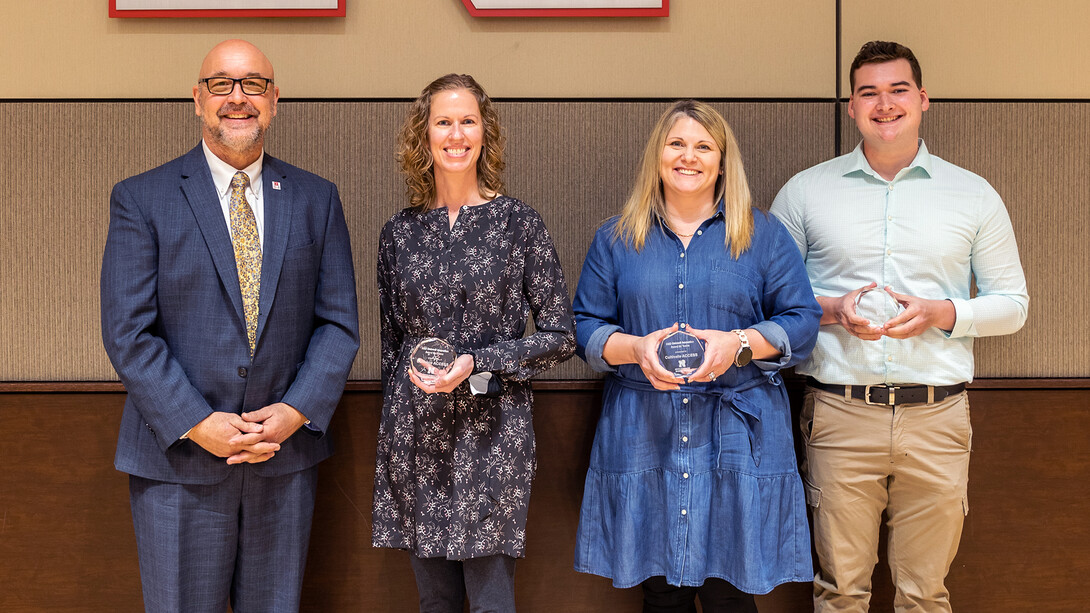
[
  {"x": 777, "y": 337},
  {"x": 596, "y": 345},
  {"x": 963, "y": 322}
]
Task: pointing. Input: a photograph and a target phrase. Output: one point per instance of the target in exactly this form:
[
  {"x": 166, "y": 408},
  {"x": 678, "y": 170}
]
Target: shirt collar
[
  {"x": 857, "y": 162},
  {"x": 222, "y": 172}
]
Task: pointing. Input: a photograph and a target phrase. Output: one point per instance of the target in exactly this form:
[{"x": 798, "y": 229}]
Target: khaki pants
[{"x": 911, "y": 461}]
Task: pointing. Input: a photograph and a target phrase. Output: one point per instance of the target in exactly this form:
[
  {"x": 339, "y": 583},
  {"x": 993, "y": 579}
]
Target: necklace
[{"x": 679, "y": 234}]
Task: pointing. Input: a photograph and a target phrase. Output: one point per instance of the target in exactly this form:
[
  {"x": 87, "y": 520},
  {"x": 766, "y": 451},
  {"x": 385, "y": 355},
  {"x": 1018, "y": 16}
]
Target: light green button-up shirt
[{"x": 929, "y": 233}]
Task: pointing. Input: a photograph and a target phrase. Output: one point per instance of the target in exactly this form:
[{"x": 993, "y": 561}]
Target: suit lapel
[
  {"x": 201, "y": 193},
  {"x": 277, "y": 227}
]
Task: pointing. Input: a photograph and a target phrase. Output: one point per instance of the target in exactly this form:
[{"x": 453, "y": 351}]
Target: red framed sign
[
  {"x": 568, "y": 8},
  {"x": 227, "y": 8}
]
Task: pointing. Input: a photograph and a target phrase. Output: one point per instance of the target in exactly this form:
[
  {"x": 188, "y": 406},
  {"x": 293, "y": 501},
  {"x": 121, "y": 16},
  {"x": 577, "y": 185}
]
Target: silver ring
[{"x": 711, "y": 376}]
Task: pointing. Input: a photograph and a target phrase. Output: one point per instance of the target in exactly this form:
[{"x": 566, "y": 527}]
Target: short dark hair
[{"x": 880, "y": 52}]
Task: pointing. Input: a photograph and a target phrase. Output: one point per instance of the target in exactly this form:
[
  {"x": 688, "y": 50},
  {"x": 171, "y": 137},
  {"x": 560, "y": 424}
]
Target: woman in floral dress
[{"x": 469, "y": 265}]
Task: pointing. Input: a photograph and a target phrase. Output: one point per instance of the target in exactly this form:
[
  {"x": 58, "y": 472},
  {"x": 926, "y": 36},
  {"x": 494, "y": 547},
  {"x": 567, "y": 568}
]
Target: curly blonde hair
[
  {"x": 646, "y": 206},
  {"x": 414, "y": 154}
]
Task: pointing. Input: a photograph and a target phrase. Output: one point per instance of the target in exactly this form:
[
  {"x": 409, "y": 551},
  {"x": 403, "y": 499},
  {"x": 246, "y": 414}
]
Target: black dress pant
[
  {"x": 443, "y": 584},
  {"x": 716, "y": 596}
]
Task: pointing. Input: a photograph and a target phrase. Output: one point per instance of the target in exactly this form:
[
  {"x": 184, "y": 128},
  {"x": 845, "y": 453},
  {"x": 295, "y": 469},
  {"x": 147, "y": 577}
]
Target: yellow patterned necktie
[{"x": 247, "y": 253}]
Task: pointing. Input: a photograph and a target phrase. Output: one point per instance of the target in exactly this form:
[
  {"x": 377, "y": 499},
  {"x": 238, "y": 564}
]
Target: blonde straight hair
[{"x": 646, "y": 206}]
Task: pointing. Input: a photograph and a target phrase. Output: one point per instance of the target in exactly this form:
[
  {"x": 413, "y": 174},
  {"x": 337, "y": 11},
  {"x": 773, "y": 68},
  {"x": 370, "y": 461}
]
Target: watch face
[{"x": 745, "y": 354}]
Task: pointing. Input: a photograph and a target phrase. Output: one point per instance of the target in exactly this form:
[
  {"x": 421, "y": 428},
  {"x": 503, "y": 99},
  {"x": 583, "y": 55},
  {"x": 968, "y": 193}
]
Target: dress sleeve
[
  {"x": 596, "y": 313},
  {"x": 390, "y": 333},
  {"x": 544, "y": 289},
  {"x": 792, "y": 313}
]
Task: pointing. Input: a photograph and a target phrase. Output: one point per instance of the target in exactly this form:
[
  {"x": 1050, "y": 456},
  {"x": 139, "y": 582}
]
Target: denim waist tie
[{"x": 731, "y": 398}]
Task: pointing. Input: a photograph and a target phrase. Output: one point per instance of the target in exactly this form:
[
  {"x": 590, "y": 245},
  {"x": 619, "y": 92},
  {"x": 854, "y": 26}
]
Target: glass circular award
[
  {"x": 431, "y": 358},
  {"x": 681, "y": 353},
  {"x": 876, "y": 306}
]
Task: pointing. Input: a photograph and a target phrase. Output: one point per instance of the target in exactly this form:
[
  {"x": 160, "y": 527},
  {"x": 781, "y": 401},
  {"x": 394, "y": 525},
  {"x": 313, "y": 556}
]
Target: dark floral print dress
[{"x": 453, "y": 471}]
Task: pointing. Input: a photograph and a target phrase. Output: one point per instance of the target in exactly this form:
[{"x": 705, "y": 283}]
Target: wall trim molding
[{"x": 544, "y": 385}]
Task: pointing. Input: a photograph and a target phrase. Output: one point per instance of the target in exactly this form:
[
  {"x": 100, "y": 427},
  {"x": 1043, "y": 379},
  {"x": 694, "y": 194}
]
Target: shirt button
[
  {"x": 699, "y": 232},
  {"x": 891, "y": 187},
  {"x": 890, "y": 218},
  {"x": 889, "y": 252},
  {"x": 683, "y": 255},
  {"x": 889, "y": 358},
  {"x": 242, "y": 372},
  {"x": 681, "y": 286},
  {"x": 684, "y": 401},
  {"x": 684, "y": 439},
  {"x": 685, "y": 475},
  {"x": 684, "y": 512}
]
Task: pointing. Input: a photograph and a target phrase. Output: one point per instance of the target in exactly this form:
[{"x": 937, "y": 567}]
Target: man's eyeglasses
[{"x": 223, "y": 86}]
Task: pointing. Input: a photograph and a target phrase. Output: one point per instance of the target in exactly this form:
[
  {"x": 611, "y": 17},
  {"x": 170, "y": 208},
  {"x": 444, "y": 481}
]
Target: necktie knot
[{"x": 240, "y": 180}]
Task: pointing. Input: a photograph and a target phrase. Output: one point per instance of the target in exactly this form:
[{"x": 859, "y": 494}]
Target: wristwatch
[{"x": 745, "y": 354}]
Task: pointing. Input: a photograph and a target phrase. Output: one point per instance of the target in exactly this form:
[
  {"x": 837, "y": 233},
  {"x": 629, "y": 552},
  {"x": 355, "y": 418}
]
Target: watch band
[{"x": 745, "y": 353}]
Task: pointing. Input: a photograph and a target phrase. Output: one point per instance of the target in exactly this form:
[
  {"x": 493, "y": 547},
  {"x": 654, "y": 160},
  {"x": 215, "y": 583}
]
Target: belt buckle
[{"x": 890, "y": 401}]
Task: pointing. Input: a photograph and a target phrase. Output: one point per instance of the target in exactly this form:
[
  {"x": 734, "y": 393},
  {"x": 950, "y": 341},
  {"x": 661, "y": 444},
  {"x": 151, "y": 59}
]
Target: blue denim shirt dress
[{"x": 703, "y": 481}]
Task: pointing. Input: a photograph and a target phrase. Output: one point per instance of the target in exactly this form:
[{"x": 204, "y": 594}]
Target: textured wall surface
[{"x": 573, "y": 161}]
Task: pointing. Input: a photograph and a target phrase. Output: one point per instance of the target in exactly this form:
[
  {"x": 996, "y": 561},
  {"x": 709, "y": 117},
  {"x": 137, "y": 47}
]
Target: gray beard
[{"x": 237, "y": 142}]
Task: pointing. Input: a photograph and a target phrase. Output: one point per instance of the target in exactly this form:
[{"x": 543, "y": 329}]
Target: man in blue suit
[{"x": 229, "y": 313}]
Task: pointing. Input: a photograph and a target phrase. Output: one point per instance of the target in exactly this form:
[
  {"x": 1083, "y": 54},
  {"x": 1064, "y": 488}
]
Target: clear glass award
[
  {"x": 431, "y": 358},
  {"x": 681, "y": 353},
  {"x": 876, "y": 306}
]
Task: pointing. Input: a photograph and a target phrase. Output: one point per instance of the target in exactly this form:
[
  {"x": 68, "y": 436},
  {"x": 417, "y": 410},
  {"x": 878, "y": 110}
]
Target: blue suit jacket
[{"x": 173, "y": 325}]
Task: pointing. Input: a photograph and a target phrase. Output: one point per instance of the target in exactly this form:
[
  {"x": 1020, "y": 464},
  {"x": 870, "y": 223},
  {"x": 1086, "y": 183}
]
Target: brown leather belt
[{"x": 890, "y": 395}]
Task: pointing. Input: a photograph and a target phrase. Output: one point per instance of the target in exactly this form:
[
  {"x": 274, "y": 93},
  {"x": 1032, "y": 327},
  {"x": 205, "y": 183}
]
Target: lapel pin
[{"x": 276, "y": 184}]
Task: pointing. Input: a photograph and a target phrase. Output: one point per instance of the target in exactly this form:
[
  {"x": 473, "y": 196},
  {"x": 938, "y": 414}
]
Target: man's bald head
[
  {"x": 235, "y": 53},
  {"x": 233, "y": 124}
]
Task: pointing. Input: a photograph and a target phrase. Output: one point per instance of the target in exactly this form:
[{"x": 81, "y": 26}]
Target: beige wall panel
[
  {"x": 58, "y": 163},
  {"x": 574, "y": 162},
  {"x": 706, "y": 48},
  {"x": 981, "y": 48},
  {"x": 1034, "y": 160}
]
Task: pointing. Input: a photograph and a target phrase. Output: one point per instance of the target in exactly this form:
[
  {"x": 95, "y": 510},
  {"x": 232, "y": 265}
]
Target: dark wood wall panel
[
  {"x": 1031, "y": 155},
  {"x": 66, "y": 541}
]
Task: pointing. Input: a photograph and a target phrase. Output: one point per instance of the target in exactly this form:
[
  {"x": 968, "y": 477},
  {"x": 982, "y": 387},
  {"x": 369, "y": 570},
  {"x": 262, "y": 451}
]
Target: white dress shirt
[{"x": 222, "y": 173}]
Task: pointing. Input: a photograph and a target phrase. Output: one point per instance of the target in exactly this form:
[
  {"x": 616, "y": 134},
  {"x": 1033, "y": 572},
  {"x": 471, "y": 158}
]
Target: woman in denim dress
[{"x": 693, "y": 487}]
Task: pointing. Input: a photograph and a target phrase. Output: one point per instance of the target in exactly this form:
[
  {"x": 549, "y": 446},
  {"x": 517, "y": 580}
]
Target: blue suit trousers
[{"x": 242, "y": 541}]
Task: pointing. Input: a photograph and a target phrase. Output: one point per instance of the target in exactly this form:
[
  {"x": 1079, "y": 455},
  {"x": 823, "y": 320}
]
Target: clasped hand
[
  {"x": 918, "y": 316},
  {"x": 446, "y": 383},
  {"x": 719, "y": 350},
  {"x": 250, "y": 437}
]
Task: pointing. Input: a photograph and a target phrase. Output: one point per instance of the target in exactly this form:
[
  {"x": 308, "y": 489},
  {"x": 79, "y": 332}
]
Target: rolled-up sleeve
[
  {"x": 792, "y": 312},
  {"x": 595, "y": 305}
]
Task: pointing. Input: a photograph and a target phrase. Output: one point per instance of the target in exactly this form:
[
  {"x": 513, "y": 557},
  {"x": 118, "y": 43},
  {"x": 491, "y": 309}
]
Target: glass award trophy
[
  {"x": 876, "y": 306},
  {"x": 431, "y": 358},
  {"x": 681, "y": 353}
]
